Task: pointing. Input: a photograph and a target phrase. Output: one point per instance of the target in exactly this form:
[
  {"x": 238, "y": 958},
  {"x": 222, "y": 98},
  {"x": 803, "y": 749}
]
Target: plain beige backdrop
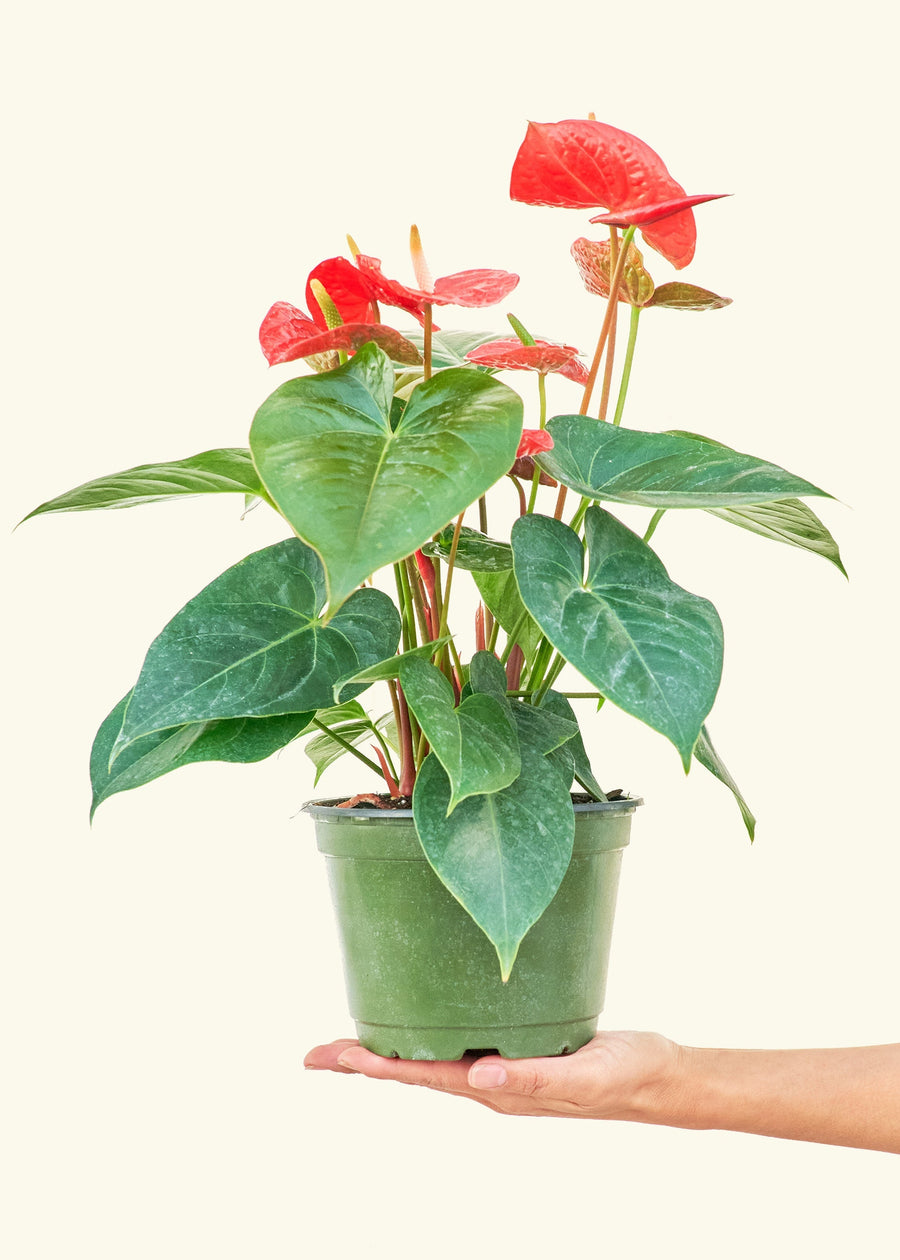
[{"x": 174, "y": 169}]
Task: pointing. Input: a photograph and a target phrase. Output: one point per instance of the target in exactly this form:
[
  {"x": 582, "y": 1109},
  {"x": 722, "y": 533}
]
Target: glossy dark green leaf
[
  {"x": 500, "y": 593},
  {"x": 363, "y": 495},
  {"x": 559, "y": 704},
  {"x": 476, "y": 743},
  {"x": 785, "y": 520},
  {"x": 687, "y": 297},
  {"x": 475, "y": 551},
  {"x": 232, "y": 739},
  {"x": 705, "y": 753},
  {"x": 540, "y": 729},
  {"x": 487, "y": 675},
  {"x": 228, "y": 471},
  {"x": 503, "y": 855},
  {"x": 661, "y": 470},
  {"x": 384, "y": 670},
  {"x": 253, "y": 644},
  {"x": 648, "y": 645}
]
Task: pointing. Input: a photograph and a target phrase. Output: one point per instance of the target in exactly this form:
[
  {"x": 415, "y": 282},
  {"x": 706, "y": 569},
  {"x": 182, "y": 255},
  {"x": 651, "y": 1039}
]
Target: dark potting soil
[{"x": 383, "y": 800}]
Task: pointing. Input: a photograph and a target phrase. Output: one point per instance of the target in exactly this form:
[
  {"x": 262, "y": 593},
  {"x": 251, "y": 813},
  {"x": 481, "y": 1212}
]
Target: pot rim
[{"x": 320, "y": 808}]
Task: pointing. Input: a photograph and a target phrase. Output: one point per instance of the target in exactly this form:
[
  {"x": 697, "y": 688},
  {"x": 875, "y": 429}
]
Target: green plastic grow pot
[{"x": 423, "y": 981}]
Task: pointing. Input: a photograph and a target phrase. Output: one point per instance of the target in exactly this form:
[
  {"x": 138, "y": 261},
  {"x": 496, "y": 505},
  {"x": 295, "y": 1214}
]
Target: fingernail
[
  {"x": 487, "y": 1075},
  {"x": 344, "y": 1063}
]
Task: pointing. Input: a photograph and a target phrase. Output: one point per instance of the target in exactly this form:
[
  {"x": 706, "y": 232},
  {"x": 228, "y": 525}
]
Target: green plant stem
[
  {"x": 513, "y": 636},
  {"x": 348, "y": 747},
  {"x": 451, "y": 565},
  {"x": 541, "y": 661},
  {"x": 654, "y": 521},
  {"x": 550, "y": 678},
  {"x": 542, "y": 424},
  {"x": 405, "y": 606},
  {"x": 626, "y": 366},
  {"x": 482, "y": 514},
  {"x": 493, "y": 635},
  {"x": 576, "y": 520}
]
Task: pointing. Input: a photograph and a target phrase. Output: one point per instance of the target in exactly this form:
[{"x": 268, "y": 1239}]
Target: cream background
[{"x": 175, "y": 169}]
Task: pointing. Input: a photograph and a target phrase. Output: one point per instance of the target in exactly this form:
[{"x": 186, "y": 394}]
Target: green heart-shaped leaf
[
  {"x": 228, "y": 471},
  {"x": 232, "y": 739},
  {"x": 364, "y": 495},
  {"x": 253, "y": 644},
  {"x": 661, "y": 470},
  {"x": 645, "y": 643},
  {"x": 476, "y": 743},
  {"x": 502, "y": 855}
]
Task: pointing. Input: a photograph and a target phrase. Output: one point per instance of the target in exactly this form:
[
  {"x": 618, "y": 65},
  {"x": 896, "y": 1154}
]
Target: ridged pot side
[{"x": 423, "y": 981}]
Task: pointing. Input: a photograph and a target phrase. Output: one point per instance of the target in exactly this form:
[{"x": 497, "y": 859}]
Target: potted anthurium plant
[{"x": 476, "y": 890}]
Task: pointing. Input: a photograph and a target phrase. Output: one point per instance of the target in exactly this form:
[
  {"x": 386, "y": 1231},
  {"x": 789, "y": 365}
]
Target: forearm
[{"x": 845, "y": 1097}]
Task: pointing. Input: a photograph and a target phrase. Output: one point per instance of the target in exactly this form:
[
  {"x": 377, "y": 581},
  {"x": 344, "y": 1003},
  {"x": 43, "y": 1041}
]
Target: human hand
[{"x": 616, "y": 1076}]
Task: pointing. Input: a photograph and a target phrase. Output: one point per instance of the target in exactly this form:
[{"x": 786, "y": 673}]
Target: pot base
[{"x": 520, "y": 1042}]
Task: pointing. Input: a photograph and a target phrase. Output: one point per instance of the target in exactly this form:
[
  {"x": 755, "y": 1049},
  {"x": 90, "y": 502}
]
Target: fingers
[
  {"x": 434, "y": 1074},
  {"x": 325, "y": 1058}
]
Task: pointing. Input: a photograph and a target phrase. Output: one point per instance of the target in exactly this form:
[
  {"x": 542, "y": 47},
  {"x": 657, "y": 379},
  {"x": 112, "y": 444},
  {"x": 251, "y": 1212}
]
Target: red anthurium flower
[
  {"x": 463, "y": 288},
  {"x": 287, "y": 334},
  {"x": 509, "y": 353},
  {"x": 533, "y": 442},
  {"x": 640, "y": 216},
  {"x": 347, "y": 290},
  {"x": 580, "y": 163}
]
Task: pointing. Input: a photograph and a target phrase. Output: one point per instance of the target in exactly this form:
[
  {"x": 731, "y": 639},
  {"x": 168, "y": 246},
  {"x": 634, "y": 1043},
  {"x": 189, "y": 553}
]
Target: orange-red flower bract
[
  {"x": 534, "y": 441},
  {"x": 510, "y": 354},
  {"x": 287, "y": 334},
  {"x": 579, "y": 163},
  {"x": 480, "y": 287}
]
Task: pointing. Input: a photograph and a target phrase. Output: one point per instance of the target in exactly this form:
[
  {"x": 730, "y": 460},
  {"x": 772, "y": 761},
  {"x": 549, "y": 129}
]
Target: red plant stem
[
  {"x": 480, "y": 640},
  {"x": 407, "y": 755},
  {"x": 426, "y": 573},
  {"x": 426, "y": 342},
  {"x": 614, "y": 282},
  {"x": 388, "y": 777},
  {"x": 514, "y": 668},
  {"x": 611, "y": 341}
]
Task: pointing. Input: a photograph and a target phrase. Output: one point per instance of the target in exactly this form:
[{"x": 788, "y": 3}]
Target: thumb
[{"x": 518, "y": 1076}]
